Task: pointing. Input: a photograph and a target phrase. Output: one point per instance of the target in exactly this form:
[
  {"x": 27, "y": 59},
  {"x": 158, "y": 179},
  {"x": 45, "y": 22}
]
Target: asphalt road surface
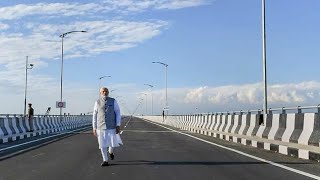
[{"x": 150, "y": 152}]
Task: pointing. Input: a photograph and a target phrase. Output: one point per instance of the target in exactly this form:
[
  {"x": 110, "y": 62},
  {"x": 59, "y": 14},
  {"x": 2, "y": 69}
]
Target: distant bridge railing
[
  {"x": 283, "y": 110},
  {"x": 292, "y": 131},
  {"x": 17, "y": 126}
]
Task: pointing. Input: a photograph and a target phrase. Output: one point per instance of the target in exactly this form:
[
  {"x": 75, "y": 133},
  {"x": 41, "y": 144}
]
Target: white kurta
[{"x": 107, "y": 137}]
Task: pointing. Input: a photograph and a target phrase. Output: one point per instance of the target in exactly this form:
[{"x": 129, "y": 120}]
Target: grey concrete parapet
[
  {"x": 315, "y": 136},
  {"x": 15, "y": 127},
  {"x": 295, "y": 134}
]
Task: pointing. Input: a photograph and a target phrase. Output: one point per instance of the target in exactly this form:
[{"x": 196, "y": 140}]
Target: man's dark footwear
[
  {"x": 112, "y": 156},
  {"x": 104, "y": 163}
]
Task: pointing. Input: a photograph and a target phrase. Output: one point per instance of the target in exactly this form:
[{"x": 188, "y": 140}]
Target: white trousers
[
  {"x": 108, "y": 138},
  {"x": 104, "y": 152}
]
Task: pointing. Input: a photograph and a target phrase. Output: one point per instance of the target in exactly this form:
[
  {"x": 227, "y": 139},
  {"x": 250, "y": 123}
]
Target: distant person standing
[
  {"x": 30, "y": 117},
  {"x": 48, "y": 111},
  {"x": 163, "y": 115}
]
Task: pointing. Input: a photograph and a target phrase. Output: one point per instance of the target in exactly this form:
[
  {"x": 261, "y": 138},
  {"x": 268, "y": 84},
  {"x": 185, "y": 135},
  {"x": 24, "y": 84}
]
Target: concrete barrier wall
[
  {"x": 14, "y": 127},
  {"x": 295, "y": 134}
]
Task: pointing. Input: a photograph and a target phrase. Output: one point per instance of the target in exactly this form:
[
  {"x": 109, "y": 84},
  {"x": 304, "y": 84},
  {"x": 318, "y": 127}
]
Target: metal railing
[
  {"x": 38, "y": 115},
  {"x": 283, "y": 110}
]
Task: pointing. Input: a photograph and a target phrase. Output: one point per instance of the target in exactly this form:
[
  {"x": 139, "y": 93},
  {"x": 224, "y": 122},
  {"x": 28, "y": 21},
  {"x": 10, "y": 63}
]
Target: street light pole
[
  {"x": 151, "y": 86},
  {"x": 112, "y": 91},
  {"x": 166, "y": 66},
  {"x": 264, "y": 61},
  {"x": 61, "y": 75},
  {"x": 146, "y": 103},
  {"x": 28, "y": 66},
  {"x": 100, "y": 80},
  {"x": 142, "y": 105},
  {"x": 166, "y": 70}
]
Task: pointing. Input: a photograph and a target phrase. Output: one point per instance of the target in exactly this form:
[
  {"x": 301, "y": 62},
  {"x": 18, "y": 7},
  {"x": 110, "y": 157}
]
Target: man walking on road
[
  {"x": 30, "y": 117},
  {"x": 106, "y": 124}
]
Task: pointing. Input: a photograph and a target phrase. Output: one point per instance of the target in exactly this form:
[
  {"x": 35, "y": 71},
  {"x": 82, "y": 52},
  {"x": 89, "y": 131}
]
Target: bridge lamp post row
[
  {"x": 151, "y": 86},
  {"x": 264, "y": 62},
  {"x": 146, "y": 101},
  {"x": 166, "y": 108},
  {"x": 138, "y": 105},
  {"x": 112, "y": 90},
  {"x": 100, "y": 78}
]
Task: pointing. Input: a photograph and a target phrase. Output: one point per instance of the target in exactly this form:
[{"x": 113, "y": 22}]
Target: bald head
[{"x": 104, "y": 91}]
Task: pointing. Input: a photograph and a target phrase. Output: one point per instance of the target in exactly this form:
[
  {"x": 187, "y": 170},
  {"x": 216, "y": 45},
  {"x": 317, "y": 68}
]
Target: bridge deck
[{"x": 150, "y": 152}]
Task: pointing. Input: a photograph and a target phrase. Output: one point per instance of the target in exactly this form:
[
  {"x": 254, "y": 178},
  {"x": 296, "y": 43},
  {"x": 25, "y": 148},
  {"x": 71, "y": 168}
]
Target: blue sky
[{"x": 213, "y": 49}]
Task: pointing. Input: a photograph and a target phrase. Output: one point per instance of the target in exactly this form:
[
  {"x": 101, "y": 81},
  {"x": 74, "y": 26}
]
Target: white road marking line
[
  {"x": 146, "y": 131},
  {"x": 128, "y": 122},
  {"x": 126, "y": 125},
  {"x": 40, "y": 154},
  {"x": 29, "y": 142},
  {"x": 244, "y": 154},
  {"x": 73, "y": 133}
]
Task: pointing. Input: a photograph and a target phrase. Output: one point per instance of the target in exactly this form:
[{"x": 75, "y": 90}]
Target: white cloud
[
  {"x": 4, "y": 26},
  {"x": 247, "y": 96},
  {"x": 179, "y": 4},
  {"x": 195, "y": 95},
  {"x": 49, "y": 9},
  {"x": 252, "y": 93},
  {"x": 181, "y": 100},
  {"x": 41, "y": 42},
  {"x": 102, "y": 36},
  {"x": 89, "y": 9},
  {"x": 231, "y": 97}
]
